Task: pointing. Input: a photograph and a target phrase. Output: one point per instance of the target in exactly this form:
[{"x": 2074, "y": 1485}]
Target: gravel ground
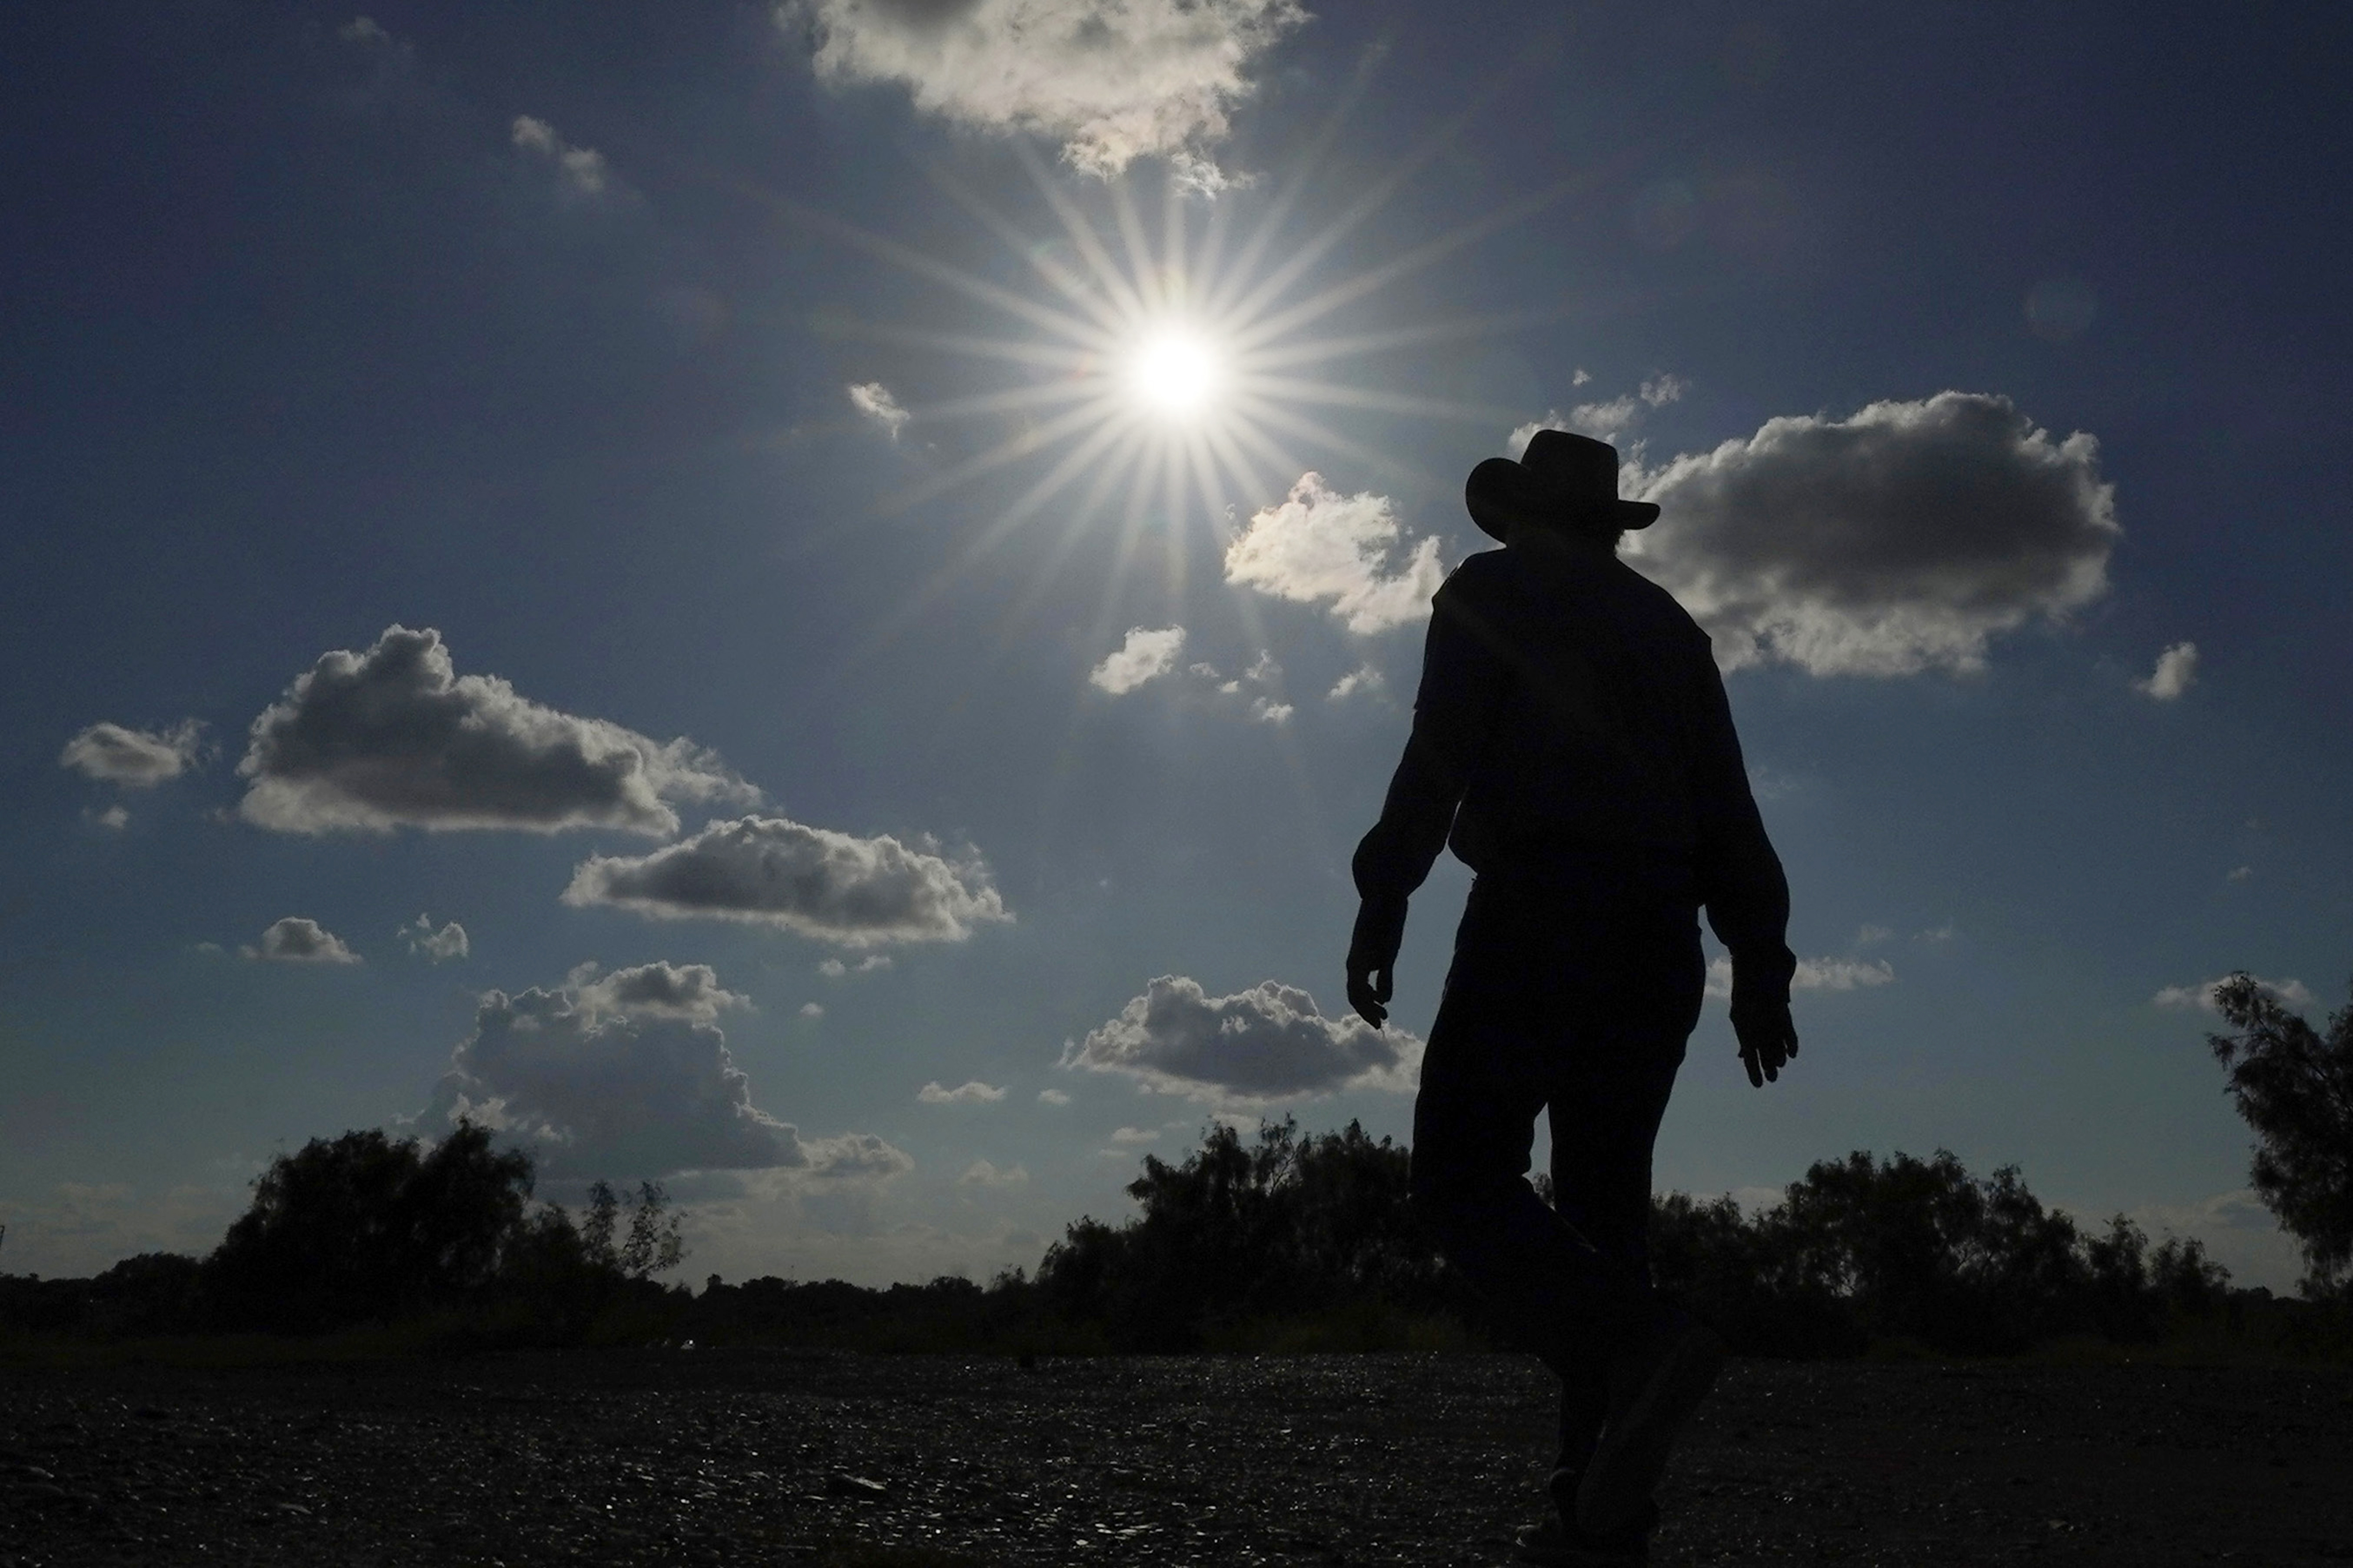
[{"x": 729, "y": 1457}]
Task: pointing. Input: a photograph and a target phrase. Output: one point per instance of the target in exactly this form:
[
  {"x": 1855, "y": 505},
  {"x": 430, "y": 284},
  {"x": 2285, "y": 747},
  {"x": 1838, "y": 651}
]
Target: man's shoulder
[{"x": 1655, "y": 603}]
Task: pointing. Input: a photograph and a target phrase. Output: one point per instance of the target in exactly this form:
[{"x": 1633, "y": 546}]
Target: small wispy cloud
[
  {"x": 135, "y": 759},
  {"x": 1814, "y": 974},
  {"x": 1147, "y": 654},
  {"x": 876, "y": 402},
  {"x": 2294, "y": 993},
  {"x": 2177, "y": 670},
  {"x": 1052, "y": 1097},
  {"x": 986, "y": 1173},
  {"x": 296, "y": 939},
  {"x": 581, "y": 172},
  {"x": 436, "y": 945},
  {"x": 972, "y": 1093}
]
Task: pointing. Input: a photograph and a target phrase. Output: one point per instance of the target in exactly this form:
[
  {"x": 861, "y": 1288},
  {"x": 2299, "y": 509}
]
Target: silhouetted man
[{"x": 1572, "y": 744}]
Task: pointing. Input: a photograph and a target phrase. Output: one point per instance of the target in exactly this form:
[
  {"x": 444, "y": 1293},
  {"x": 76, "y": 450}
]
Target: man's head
[{"x": 1562, "y": 481}]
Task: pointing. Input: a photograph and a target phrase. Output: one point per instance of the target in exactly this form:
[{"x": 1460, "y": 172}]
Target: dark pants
[{"x": 1575, "y": 999}]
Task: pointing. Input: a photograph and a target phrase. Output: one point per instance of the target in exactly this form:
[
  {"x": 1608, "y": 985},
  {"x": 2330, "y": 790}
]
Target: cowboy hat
[{"x": 1560, "y": 479}]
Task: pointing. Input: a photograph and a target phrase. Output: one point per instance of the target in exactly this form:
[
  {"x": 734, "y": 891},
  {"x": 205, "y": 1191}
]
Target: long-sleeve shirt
[{"x": 1570, "y": 722}]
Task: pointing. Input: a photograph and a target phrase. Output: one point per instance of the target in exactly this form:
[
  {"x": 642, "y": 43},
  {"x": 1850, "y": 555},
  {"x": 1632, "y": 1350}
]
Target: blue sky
[{"x": 810, "y": 601}]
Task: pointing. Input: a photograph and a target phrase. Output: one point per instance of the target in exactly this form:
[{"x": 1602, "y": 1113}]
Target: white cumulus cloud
[
  {"x": 2177, "y": 668},
  {"x": 857, "y": 892},
  {"x": 395, "y": 737},
  {"x": 2293, "y": 993},
  {"x": 1267, "y": 1043},
  {"x": 875, "y": 401},
  {"x": 1896, "y": 541},
  {"x": 1346, "y": 553},
  {"x": 438, "y": 945},
  {"x": 135, "y": 759},
  {"x": 973, "y": 1093},
  {"x": 1147, "y": 654},
  {"x": 1113, "y": 81},
  {"x": 627, "y": 1076},
  {"x": 1364, "y": 679},
  {"x": 1052, "y": 1097},
  {"x": 298, "y": 939},
  {"x": 986, "y": 1173}
]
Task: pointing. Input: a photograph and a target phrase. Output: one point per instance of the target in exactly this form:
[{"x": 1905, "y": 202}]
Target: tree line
[{"x": 1284, "y": 1240}]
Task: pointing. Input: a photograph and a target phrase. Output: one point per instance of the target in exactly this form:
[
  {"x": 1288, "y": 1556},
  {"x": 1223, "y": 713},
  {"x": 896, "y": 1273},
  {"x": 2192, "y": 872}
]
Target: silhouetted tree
[
  {"x": 2294, "y": 1086},
  {"x": 1288, "y": 1227},
  {"x": 367, "y": 1227}
]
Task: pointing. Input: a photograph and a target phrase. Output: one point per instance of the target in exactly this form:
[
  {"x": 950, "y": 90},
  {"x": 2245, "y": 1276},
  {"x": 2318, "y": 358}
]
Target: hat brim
[{"x": 1500, "y": 492}]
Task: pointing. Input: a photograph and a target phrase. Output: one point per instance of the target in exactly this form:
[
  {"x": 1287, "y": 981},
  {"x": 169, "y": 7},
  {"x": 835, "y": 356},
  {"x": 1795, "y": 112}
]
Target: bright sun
[{"x": 1174, "y": 370}]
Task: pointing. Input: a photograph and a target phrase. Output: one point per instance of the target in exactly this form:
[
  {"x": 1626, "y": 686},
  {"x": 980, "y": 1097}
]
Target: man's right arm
[
  {"x": 1744, "y": 887},
  {"x": 1462, "y": 677}
]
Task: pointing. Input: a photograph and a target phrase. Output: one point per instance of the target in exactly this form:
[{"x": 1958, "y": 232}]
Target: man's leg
[
  {"x": 1606, "y": 1101},
  {"x": 1484, "y": 1077}
]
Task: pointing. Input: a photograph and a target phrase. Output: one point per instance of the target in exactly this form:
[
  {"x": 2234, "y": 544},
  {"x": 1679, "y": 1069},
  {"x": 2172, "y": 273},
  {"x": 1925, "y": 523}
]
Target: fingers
[
  {"x": 1368, "y": 997},
  {"x": 1748, "y": 1060}
]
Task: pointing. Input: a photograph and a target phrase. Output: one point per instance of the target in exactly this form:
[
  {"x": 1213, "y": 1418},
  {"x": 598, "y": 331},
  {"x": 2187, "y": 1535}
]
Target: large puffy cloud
[
  {"x": 1267, "y": 1043},
  {"x": 1320, "y": 546},
  {"x": 1896, "y": 541},
  {"x": 627, "y": 1077},
  {"x": 1147, "y": 654},
  {"x": 395, "y": 737},
  {"x": 298, "y": 939},
  {"x": 135, "y": 759},
  {"x": 859, "y": 892},
  {"x": 1112, "y": 80}
]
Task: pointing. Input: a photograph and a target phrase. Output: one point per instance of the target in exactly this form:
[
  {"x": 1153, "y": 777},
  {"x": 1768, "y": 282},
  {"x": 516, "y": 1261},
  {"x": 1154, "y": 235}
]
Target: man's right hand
[
  {"x": 1768, "y": 1036},
  {"x": 1372, "y": 959}
]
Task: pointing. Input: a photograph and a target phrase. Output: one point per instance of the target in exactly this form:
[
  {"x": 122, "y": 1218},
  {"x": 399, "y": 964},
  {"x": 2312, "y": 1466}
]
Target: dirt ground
[{"x": 732, "y": 1457}]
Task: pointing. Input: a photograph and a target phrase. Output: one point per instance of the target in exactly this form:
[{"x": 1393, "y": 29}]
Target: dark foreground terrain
[{"x": 737, "y": 1457}]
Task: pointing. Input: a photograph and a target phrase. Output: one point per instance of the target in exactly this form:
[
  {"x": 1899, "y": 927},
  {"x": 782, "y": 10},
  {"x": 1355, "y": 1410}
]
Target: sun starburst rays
[{"x": 1162, "y": 379}]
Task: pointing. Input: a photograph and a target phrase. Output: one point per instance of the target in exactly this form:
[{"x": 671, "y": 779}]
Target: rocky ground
[{"x": 701, "y": 1456}]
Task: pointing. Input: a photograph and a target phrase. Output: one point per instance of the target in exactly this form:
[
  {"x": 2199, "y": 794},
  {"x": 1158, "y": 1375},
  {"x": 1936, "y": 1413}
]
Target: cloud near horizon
[
  {"x": 1813, "y": 974},
  {"x": 627, "y": 1078},
  {"x": 1318, "y": 546},
  {"x": 135, "y": 759},
  {"x": 767, "y": 870},
  {"x": 395, "y": 737},
  {"x": 2290, "y": 992},
  {"x": 1267, "y": 1043},
  {"x": 1897, "y": 541},
  {"x": 1111, "y": 80}
]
